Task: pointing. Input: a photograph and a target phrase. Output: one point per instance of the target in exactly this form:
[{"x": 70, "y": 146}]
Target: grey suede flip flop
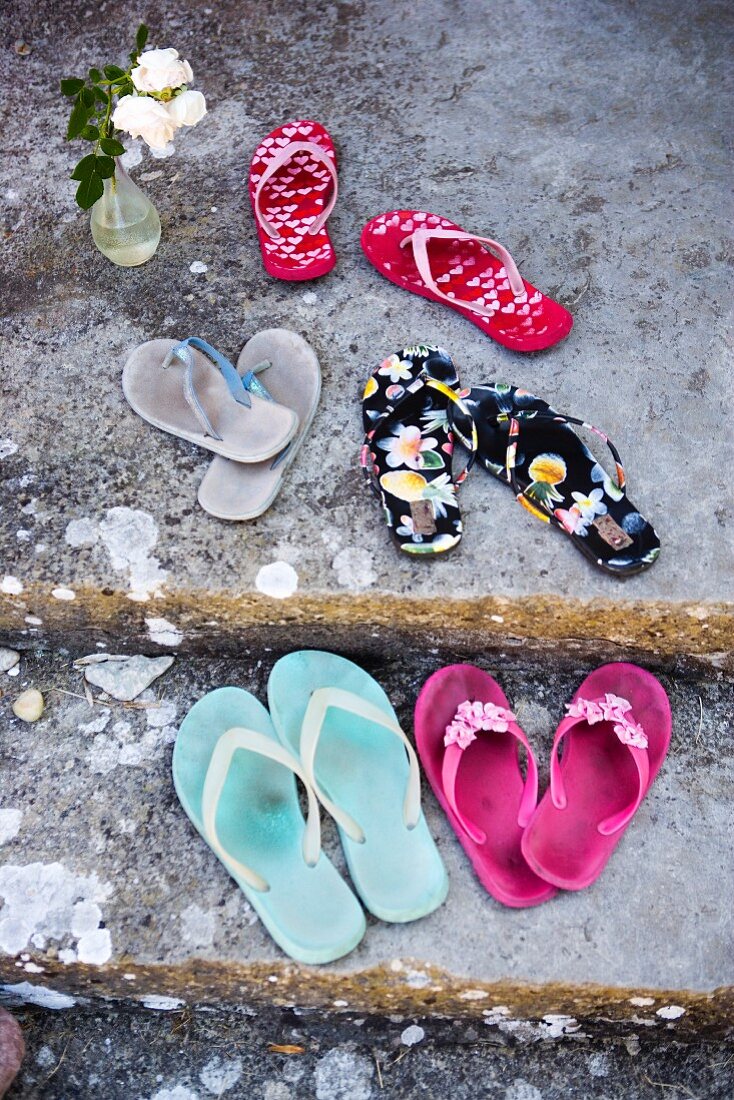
[
  {"x": 190, "y": 390},
  {"x": 281, "y": 365}
]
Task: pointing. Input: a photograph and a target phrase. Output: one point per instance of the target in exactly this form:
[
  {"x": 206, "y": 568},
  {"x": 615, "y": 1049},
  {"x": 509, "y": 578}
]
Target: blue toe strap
[{"x": 230, "y": 375}]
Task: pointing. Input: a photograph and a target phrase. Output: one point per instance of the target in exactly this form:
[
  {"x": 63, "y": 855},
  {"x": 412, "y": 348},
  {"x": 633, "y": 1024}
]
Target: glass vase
[{"x": 125, "y": 224}]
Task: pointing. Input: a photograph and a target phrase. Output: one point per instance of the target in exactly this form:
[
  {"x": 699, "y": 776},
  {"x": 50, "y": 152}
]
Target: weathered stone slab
[
  {"x": 130, "y": 902},
  {"x": 603, "y": 171}
]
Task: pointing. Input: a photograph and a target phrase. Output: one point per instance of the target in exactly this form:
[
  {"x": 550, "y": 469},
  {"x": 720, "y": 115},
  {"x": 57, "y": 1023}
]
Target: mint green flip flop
[
  {"x": 341, "y": 725},
  {"x": 236, "y": 782}
]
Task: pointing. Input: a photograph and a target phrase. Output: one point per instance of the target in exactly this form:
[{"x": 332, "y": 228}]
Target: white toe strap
[
  {"x": 313, "y": 721},
  {"x": 216, "y": 777}
]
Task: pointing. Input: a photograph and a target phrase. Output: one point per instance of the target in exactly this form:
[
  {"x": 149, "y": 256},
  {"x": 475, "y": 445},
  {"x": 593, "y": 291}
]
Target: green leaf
[
  {"x": 432, "y": 460},
  {"x": 85, "y": 168},
  {"x": 90, "y": 133},
  {"x": 86, "y": 95},
  {"x": 105, "y": 167},
  {"x": 95, "y": 75},
  {"x": 89, "y": 190},
  {"x": 111, "y": 147},
  {"x": 71, "y": 85},
  {"x": 77, "y": 121},
  {"x": 141, "y": 37},
  {"x": 113, "y": 72},
  {"x": 100, "y": 93}
]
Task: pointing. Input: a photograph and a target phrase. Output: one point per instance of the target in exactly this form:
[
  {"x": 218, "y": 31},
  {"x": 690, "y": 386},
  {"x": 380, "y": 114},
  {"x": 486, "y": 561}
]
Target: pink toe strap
[
  {"x": 618, "y": 712},
  {"x": 472, "y": 718},
  {"x": 278, "y": 161},
  {"x": 419, "y": 240}
]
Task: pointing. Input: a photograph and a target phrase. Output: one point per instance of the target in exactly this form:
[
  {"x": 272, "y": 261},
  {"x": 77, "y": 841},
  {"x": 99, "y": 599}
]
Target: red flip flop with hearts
[
  {"x": 431, "y": 256},
  {"x": 293, "y": 189}
]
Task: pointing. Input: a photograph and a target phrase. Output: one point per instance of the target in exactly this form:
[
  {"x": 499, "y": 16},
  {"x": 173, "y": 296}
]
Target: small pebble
[
  {"x": 8, "y": 659},
  {"x": 29, "y": 705},
  {"x": 198, "y": 268}
]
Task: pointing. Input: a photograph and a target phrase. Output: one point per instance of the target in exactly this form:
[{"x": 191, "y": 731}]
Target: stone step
[
  {"x": 111, "y": 1052},
  {"x": 108, "y": 892},
  {"x": 101, "y": 534}
]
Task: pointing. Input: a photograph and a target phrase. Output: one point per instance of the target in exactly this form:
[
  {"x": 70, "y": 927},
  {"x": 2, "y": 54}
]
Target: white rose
[
  {"x": 187, "y": 109},
  {"x": 157, "y": 70},
  {"x": 141, "y": 116}
]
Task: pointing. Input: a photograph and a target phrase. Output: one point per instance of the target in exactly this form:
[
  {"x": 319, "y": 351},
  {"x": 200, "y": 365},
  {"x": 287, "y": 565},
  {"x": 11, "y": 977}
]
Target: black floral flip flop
[
  {"x": 529, "y": 446},
  {"x": 406, "y": 456}
]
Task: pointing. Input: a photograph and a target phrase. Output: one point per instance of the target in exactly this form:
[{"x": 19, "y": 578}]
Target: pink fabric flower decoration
[
  {"x": 630, "y": 733},
  {"x": 615, "y": 707},
  {"x": 459, "y": 733},
  {"x": 585, "y": 708},
  {"x": 474, "y": 716}
]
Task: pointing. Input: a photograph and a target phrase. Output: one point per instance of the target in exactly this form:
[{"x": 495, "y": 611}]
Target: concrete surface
[
  {"x": 127, "y": 901},
  {"x": 589, "y": 136},
  {"x": 106, "y": 1053}
]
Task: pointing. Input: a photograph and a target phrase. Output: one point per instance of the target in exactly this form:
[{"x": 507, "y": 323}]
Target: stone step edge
[
  {"x": 198, "y": 620},
  {"x": 402, "y": 987}
]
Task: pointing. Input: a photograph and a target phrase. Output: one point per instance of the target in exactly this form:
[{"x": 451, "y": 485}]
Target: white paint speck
[
  {"x": 520, "y": 1089},
  {"x": 82, "y": 532},
  {"x": 198, "y": 926},
  {"x": 39, "y": 995},
  {"x": 343, "y": 1075},
  {"x": 178, "y": 1092},
  {"x": 33, "y": 620},
  {"x": 9, "y": 824},
  {"x": 473, "y": 995},
  {"x": 129, "y": 535},
  {"x": 412, "y": 1035},
  {"x": 354, "y": 568},
  {"x": 642, "y": 1002},
  {"x": 85, "y": 917},
  {"x": 63, "y": 594},
  {"x": 198, "y": 268},
  {"x": 7, "y": 448},
  {"x": 558, "y": 1025},
  {"x": 670, "y": 1012},
  {"x": 221, "y": 1074},
  {"x": 279, "y": 580},
  {"x": 162, "y": 632},
  {"x": 38, "y": 899},
  {"x": 161, "y": 1003},
  {"x": 95, "y": 948},
  {"x": 310, "y": 298},
  {"x": 11, "y": 586},
  {"x": 31, "y": 968}
]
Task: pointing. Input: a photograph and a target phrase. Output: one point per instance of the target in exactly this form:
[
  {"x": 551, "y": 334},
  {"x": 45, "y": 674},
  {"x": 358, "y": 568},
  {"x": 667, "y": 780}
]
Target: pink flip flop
[
  {"x": 616, "y": 733},
  {"x": 291, "y": 173},
  {"x": 467, "y": 739},
  {"x": 431, "y": 256}
]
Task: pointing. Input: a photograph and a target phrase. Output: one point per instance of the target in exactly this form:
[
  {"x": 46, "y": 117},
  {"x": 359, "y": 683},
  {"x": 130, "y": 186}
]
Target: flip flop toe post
[
  {"x": 613, "y": 740},
  {"x": 469, "y": 743},
  {"x": 237, "y": 784}
]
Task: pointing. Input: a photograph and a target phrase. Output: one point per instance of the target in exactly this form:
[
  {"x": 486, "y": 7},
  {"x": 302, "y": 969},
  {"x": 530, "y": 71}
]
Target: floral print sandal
[
  {"x": 528, "y": 445},
  {"x": 406, "y": 456}
]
